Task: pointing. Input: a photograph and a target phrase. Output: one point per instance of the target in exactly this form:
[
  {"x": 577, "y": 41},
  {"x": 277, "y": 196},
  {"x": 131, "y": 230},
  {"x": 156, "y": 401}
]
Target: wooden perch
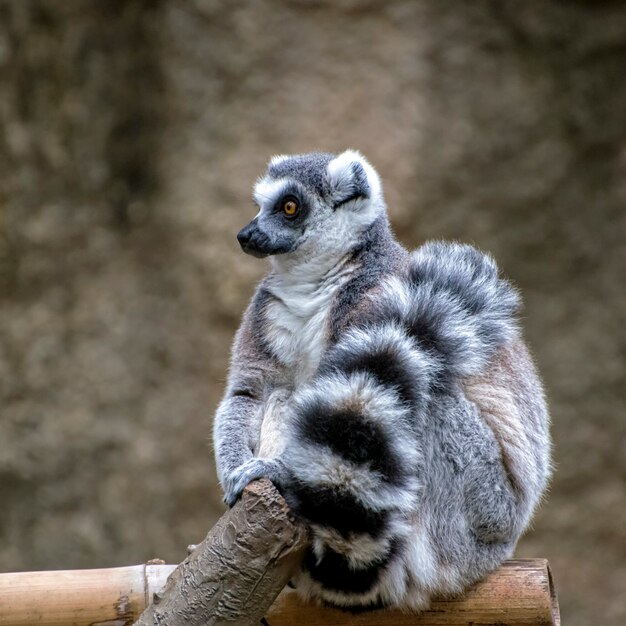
[
  {"x": 520, "y": 593},
  {"x": 234, "y": 576},
  {"x": 89, "y": 597}
]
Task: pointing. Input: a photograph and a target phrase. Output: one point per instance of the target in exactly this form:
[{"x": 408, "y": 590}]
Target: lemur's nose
[
  {"x": 245, "y": 234},
  {"x": 254, "y": 241}
]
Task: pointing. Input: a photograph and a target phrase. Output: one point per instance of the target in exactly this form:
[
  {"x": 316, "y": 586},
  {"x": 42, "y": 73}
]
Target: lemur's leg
[
  {"x": 478, "y": 476},
  {"x": 508, "y": 472}
]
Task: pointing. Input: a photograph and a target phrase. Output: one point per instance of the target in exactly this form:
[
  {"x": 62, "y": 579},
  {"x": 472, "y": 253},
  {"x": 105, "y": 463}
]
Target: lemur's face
[{"x": 311, "y": 203}]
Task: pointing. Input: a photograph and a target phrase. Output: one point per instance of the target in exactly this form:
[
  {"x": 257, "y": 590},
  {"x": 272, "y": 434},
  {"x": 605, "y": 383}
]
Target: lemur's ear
[{"x": 352, "y": 178}]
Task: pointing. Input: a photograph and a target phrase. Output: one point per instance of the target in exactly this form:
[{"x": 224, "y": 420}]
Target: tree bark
[{"x": 235, "y": 574}]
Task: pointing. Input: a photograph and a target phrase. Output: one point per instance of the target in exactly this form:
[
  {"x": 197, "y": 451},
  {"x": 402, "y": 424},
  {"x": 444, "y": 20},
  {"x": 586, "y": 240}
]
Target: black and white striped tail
[{"x": 354, "y": 451}]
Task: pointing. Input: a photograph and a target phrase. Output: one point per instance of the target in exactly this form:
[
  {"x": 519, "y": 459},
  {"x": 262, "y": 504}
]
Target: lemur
[{"x": 388, "y": 395}]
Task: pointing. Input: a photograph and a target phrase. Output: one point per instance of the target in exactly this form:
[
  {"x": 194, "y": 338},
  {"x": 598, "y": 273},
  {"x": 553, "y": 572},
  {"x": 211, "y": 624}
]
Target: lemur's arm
[{"x": 238, "y": 417}]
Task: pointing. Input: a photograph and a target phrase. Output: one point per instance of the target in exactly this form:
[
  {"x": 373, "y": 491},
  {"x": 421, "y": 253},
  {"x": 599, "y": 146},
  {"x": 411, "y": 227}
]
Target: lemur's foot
[{"x": 253, "y": 469}]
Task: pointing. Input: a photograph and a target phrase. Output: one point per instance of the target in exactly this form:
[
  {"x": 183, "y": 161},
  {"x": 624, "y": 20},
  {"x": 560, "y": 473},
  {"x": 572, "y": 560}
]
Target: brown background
[{"x": 131, "y": 135}]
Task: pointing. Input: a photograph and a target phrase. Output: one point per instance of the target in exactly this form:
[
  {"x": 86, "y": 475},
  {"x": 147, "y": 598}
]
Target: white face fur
[{"x": 312, "y": 206}]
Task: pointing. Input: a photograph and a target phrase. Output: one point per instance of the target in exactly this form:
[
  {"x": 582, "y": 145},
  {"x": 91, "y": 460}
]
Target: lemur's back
[{"x": 389, "y": 397}]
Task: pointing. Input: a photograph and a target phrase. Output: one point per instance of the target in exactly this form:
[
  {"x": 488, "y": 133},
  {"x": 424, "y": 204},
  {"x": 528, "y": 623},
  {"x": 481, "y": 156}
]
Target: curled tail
[
  {"x": 454, "y": 305},
  {"x": 354, "y": 463},
  {"x": 358, "y": 441}
]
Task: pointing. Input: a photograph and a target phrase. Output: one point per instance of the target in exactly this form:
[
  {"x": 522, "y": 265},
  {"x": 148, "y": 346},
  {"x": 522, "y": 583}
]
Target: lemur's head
[{"x": 311, "y": 204}]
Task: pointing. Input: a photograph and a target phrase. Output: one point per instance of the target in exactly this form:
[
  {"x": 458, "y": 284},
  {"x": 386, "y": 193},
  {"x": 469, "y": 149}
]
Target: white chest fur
[{"x": 298, "y": 319}]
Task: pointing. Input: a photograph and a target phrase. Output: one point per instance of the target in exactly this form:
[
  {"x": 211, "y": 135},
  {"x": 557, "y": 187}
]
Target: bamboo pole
[
  {"x": 519, "y": 593},
  {"x": 236, "y": 573},
  {"x": 107, "y": 597}
]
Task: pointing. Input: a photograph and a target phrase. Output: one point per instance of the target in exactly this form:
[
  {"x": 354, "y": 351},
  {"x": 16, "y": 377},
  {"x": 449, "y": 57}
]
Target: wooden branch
[{"x": 235, "y": 574}]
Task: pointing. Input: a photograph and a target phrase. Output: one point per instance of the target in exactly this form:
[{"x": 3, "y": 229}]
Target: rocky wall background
[{"x": 131, "y": 134}]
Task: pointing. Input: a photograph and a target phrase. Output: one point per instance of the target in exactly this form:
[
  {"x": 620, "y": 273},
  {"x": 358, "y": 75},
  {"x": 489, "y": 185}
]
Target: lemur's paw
[{"x": 249, "y": 471}]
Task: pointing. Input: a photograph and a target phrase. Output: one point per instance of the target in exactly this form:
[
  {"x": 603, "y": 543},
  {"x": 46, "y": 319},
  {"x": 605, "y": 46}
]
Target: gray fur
[
  {"x": 388, "y": 395},
  {"x": 308, "y": 169}
]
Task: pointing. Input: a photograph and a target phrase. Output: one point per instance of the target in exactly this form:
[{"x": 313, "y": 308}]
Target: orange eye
[{"x": 290, "y": 207}]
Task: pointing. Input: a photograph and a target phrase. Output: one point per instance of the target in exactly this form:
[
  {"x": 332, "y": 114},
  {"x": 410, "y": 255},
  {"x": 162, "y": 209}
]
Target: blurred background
[{"x": 131, "y": 134}]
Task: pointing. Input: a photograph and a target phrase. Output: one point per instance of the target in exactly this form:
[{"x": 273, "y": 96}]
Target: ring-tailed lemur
[{"x": 387, "y": 394}]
